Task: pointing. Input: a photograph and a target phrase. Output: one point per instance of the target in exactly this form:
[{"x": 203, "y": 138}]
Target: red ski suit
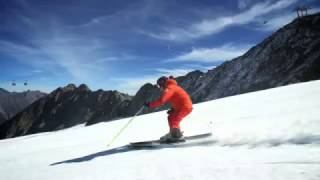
[{"x": 180, "y": 101}]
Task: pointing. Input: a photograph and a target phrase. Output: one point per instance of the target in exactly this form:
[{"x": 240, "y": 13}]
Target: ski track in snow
[{"x": 266, "y": 135}]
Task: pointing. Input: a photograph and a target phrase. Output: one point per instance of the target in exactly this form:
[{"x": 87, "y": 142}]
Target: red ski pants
[{"x": 176, "y": 116}]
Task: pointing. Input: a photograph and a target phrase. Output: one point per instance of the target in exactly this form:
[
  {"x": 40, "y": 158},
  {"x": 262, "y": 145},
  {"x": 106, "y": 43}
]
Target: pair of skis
[{"x": 158, "y": 143}]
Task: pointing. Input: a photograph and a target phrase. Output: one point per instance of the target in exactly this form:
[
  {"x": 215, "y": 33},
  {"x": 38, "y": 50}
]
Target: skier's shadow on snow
[
  {"x": 126, "y": 148},
  {"x": 117, "y": 150}
]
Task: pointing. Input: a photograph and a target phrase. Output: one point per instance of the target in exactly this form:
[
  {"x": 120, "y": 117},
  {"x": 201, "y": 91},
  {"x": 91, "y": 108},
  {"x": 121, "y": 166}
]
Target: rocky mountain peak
[
  {"x": 69, "y": 87},
  {"x": 83, "y": 87}
]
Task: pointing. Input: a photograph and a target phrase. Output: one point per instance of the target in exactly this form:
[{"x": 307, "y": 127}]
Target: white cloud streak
[
  {"x": 73, "y": 56},
  {"x": 217, "y": 54},
  {"x": 26, "y": 55},
  {"x": 95, "y": 21},
  {"x": 16, "y": 49},
  {"x": 212, "y": 26},
  {"x": 242, "y": 4},
  {"x": 61, "y": 52},
  {"x": 37, "y": 71},
  {"x": 132, "y": 85},
  {"x": 173, "y": 72}
]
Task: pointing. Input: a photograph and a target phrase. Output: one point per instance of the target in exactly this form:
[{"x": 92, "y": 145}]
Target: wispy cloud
[
  {"x": 242, "y": 4},
  {"x": 106, "y": 59},
  {"x": 73, "y": 55},
  {"x": 217, "y": 54},
  {"x": 173, "y": 72},
  {"x": 26, "y": 55},
  {"x": 132, "y": 85},
  {"x": 95, "y": 21},
  {"x": 16, "y": 49},
  {"x": 213, "y": 26},
  {"x": 37, "y": 71},
  {"x": 79, "y": 57},
  {"x": 201, "y": 67}
]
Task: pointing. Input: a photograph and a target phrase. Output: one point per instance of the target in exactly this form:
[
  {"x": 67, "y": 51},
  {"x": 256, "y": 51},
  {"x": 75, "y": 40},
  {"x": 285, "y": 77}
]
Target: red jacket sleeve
[{"x": 163, "y": 99}]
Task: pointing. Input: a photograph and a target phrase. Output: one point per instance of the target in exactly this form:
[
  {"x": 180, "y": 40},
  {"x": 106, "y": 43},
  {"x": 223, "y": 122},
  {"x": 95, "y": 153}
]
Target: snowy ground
[{"x": 266, "y": 135}]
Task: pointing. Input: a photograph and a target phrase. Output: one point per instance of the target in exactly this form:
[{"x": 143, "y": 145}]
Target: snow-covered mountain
[{"x": 267, "y": 135}]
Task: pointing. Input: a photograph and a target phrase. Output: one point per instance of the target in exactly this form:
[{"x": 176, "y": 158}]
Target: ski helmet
[{"x": 161, "y": 82}]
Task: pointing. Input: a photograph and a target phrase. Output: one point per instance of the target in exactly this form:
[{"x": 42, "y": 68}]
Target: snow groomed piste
[{"x": 271, "y": 134}]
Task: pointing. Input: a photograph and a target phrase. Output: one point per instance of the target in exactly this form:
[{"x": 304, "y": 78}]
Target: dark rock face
[
  {"x": 66, "y": 107},
  {"x": 2, "y": 117},
  {"x": 192, "y": 83},
  {"x": 12, "y": 102},
  {"x": 108, "y": 105},
  {"x": 147, "y": 92},
  {"x": 290, "y": 55}
]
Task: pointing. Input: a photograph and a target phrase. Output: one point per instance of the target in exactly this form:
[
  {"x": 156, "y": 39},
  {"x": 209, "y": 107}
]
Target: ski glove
[{"x": 147, "y": 104}]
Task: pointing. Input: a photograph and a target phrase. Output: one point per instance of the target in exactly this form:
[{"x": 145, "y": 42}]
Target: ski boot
[{"x": 174, "y": 136}]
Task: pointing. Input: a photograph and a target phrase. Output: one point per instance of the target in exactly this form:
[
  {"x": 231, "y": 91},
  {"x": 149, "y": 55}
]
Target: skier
[{"x": 181, "y": 106}]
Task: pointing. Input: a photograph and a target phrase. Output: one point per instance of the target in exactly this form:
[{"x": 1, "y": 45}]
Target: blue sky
[{"x": 122, "y": 44}]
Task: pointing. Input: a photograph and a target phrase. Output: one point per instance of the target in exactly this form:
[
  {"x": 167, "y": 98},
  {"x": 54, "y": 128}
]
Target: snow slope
[{"x": 272, "y": 134}]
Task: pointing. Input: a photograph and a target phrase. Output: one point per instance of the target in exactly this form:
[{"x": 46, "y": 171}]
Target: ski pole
[{"x": 124, "y": 127}]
